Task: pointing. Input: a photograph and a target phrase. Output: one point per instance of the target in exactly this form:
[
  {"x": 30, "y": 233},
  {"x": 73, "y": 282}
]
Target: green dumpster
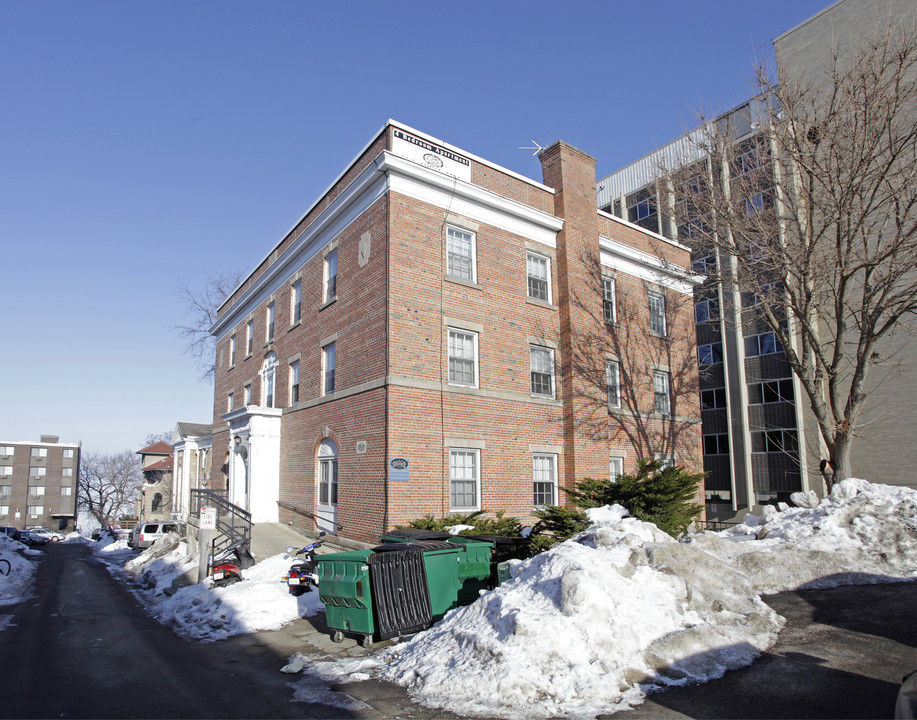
[{"x": 344, "y": 587}]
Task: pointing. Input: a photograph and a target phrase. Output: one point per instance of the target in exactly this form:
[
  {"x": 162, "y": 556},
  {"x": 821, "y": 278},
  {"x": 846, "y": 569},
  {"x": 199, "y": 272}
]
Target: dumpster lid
[
  {"x": 416, "y": 534},
  {"x": 419, "y": 546}
]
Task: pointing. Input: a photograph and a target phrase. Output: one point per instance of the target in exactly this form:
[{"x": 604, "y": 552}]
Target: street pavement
[{"x": 84, "y": 647}]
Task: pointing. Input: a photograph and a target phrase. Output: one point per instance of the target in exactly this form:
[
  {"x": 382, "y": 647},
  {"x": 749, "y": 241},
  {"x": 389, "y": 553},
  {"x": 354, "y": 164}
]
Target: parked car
[
  {"x": 30, "y": 537},
  {"x": 11, "y": 531},
  {"x": 145, "y": 534},
  {"x": 49, "y": 535}
]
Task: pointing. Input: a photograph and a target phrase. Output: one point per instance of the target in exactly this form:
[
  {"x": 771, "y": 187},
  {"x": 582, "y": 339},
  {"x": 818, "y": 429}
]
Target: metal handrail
[{"x": 232, "y": 521}]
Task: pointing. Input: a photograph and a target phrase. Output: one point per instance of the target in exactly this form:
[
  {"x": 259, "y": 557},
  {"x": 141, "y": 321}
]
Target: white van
[{"x": 145, "y": 534}]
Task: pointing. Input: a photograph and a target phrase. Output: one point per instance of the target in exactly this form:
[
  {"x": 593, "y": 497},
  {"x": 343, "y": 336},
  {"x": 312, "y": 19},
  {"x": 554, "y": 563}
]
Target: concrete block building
[
  {"x": 38, "y": 483},
  {"x": 437, "y": 334}
]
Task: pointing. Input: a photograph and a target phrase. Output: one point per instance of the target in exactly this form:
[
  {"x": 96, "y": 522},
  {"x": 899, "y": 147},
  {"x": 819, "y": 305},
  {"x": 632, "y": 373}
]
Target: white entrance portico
[{"x": 254, "y": 461}]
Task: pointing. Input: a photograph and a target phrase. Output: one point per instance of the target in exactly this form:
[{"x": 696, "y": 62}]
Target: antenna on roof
[{"x": 537, "y": 148}]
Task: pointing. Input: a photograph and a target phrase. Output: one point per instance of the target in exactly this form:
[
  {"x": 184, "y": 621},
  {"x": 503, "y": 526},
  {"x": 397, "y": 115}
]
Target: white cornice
[
  {"x": 645, "y": 266},
  {"x": 464, "y": 198}
]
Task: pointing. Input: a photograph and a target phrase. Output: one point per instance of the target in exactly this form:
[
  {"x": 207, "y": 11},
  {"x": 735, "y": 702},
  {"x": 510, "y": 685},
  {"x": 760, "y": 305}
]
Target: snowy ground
[
  {"x": 622, "y": 609},
  {"x": 589, "y": 627}
]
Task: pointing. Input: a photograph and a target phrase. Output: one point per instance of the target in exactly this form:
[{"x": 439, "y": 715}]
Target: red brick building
[{"x": 438, "y": 334}]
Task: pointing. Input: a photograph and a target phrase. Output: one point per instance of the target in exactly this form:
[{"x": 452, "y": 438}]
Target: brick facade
[{"x": 389, "y": 219}]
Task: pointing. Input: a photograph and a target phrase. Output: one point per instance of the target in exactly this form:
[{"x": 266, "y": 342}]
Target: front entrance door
[{"x": 328, "y": 487}]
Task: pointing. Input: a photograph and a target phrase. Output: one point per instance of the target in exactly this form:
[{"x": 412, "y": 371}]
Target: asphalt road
[{"x": 83, "y": 647}]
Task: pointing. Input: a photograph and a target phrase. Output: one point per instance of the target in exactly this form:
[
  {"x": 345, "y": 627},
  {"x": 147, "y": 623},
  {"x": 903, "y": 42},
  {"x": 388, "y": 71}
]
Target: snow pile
[
  {"x": 17, "y": 585},
  {"x": 622, "y": 609},
  {"x": 261, "y": 601},
  {"x": 862, "y": 533},
  {"x": 588, "y": 627}
]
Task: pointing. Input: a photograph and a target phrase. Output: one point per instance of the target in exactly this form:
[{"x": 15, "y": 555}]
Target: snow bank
[
  {"x": 622, "y": 609},
  {"x": 261, "y": 601},
  {"x": 17, "y": 586},
  {"x": 588, "y": 627}
]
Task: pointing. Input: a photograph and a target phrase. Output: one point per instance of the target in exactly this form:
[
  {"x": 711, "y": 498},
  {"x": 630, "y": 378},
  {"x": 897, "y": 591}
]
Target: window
[
  {"x": 331, "y": 276},
  {"x": 706, "y": 310},
  {"x": 613, "y": 383},
  {"x": 232, "y": 350},
  {"x": 328, "y": 473},
  {"x": 296, "y": 302},
  {"x": 661, "y": 401},
  {"x": 710, "y": 354},
  {"x": 36, "y": 510},
  {"x": 66, "y": 491},
  {"x": 463, "y": 358},
  {"x": 541, "y": 363},
  {"x": 775, "y": 441},
  {"x": 249, "y": 336},
  {"x": 716, "y": 444},
  {"x": 609, "y": 305},
  {"x": 544, "y": 474},
  {"x": 36, "y": 471},
  {"x": 229, "y": 402},
  {"x": 7, "y": 451},
  {"x": 463, "y": 479},
  {"x": 68, "y": 454},
  {"x": 4, "y": 510},
  {"x": 770, "y": 391},
  {"x": 763, "y": 344},
  {"x": 37, "y": 490},
  {"x": 39, "y": 452},
  {"x": 747, "y": 162},
  {"x": 641, "y": 210},
  {"x": 247, "y": 395},
  {"x": 157, "y": 502},
  {"x": 328, "y": 369},
  {"x": 615, "y": 467},
  {"x": 268, "y": 380},
  {"x": 6, "y": 470},
  {"x": 460, "y": 254},
  {"x": 712, "y": 399},
  {"x": 657, "y": 314},
  {"x": 66, "y": 472},
  {"x": 269, "y": 322},
  {"x": 705, "y": 265},
  {"x": 5, "y": 490},
  {"x": 538, "y": 268},
  {"x": 294, "y": 382}
]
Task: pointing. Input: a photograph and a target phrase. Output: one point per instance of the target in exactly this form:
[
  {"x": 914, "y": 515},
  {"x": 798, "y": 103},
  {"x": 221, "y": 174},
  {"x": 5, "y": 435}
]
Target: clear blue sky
[{"x": 143, "y": 143}]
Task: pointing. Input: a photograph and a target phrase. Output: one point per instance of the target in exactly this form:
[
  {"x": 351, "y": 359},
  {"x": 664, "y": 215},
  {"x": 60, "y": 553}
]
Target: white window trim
[
  {"x": 613, "y": 300},
  {"x": 661, "y": 297},
  {"x": 474, "y": 253},
  {"x": 553, "y": 377},
  {"x": 552, "y": 457},
  {"x": 329, "y": 350},
  {"x": 474, "y": 345},
  {"x": 547, "y": 262},
  {"x": 477, "y": 479},
  {"x": 609, "y": 364},
  {"x": 327, "y": 296},
  {"x": 615, "y": 460},
  {"x": 668, "y": 392}
]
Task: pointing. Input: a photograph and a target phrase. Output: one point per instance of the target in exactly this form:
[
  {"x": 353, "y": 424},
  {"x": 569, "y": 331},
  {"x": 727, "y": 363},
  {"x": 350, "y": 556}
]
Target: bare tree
[
  {"x": 610, "y": 357},
  {"x": 202, "y": 304},
  {"x": 815, "y": 218},
  {"x": 153, "y": 438},
  {"x": 108, "y": 484}
]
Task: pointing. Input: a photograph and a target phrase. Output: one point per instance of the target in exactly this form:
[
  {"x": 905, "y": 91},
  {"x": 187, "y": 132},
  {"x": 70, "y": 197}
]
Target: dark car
[
  {"x": 11, "y": 531},
  {"x": 31, "y": 538}
]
